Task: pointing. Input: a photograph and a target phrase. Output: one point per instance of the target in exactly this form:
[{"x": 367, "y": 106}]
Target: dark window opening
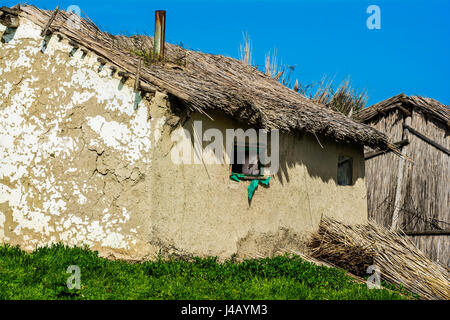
[
  {"x": 345, "y": 171},
  {"x": 246, "y": 161}
]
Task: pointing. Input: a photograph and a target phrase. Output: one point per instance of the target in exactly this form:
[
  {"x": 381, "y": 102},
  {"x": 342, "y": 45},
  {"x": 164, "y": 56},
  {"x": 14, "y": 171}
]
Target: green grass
[{"x": 42, "y": 275}]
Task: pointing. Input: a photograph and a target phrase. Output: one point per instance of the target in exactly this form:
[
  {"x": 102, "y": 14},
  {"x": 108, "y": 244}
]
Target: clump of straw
[
  {"x": 354, "y": 247},
  {"x": 245, "y": 50}
]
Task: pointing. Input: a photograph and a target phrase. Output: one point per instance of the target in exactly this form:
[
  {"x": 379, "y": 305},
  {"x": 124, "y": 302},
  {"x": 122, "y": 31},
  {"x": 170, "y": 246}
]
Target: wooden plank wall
[
  {"x": 427, "y": 185},
  {"x": 435, "y": 247},
  {"x": 381, "y": 188},
  {"x": 425, "y": 203}
]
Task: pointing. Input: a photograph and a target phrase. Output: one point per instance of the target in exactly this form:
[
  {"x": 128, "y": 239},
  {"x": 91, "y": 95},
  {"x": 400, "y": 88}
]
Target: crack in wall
[{"x": 70, "y": 165}]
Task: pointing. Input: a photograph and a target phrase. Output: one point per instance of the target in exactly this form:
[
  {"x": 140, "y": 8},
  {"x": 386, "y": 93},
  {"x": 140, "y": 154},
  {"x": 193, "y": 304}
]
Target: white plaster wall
[
  {"x": 73, "y": 149},
  {"x": 79, "y": 165}
]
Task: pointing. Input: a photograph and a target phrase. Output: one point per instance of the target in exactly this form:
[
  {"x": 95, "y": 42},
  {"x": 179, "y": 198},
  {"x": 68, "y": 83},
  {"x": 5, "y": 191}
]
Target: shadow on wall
[
  {"x": 295, "y": 150},
  {"x": 319, "y": 155},
  {"x": 8, "y": 35}
]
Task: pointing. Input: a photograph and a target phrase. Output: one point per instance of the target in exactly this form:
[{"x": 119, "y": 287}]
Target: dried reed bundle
[{"x": 354, "y": 247}]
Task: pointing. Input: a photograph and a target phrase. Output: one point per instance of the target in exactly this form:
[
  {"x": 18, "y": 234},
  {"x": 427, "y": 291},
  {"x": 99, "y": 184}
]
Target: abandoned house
[
  {"x": 87, "y": 133},
  {"x": 412, "y": 194}
]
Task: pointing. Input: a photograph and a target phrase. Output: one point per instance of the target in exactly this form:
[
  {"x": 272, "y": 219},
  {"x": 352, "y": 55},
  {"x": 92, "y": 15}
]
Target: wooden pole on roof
[
  {"x": 47, "y": 25},
  {"x": 160, "y": 33},
  {"x": 136, "y": 80}
]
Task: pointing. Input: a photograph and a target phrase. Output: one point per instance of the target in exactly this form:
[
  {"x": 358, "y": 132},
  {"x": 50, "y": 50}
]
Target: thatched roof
[
  {"x": 427, "y": 106},
  {"x": 206, "y": 82}
]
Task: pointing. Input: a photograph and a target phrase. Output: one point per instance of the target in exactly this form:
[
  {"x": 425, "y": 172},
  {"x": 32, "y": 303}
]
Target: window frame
[
  {"x": 339, "y": 165},
  {"x": 247, "y": 147}
]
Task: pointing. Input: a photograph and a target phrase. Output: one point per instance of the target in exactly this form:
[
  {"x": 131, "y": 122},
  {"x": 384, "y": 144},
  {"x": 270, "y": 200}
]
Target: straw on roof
[
  {"x": 207, "y": 82},
  {"x": 427, "y": 106}
]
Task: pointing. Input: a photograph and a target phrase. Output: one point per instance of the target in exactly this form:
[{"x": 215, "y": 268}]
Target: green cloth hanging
[
  {"x": 251, "y": 188},
  {"x": 236, "y": 176},
  {"x": 253, "y": 184},
  {"x": 264, "y": 181}
]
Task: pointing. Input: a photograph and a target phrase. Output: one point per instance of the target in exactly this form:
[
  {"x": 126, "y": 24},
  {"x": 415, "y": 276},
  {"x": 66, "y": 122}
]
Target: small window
[
  {"x": 345, "y": 171},
  {"x": 246, "y": 161}
]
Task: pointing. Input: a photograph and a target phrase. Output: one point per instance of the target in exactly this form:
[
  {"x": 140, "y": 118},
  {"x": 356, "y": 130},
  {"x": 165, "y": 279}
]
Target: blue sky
[{"x": 410, "y": 53}]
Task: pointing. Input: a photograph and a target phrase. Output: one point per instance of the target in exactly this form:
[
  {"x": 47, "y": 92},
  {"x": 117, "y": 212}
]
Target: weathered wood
[
  {"x": 373, "y": 154},
  {"x": 74, "y": 44},
  {"x": 124, "y": 74},
  {"x": 9, "y": 20},
  {"x": 428, "y": 233},
  {"x": 426, "y": 139},
  {"x": 405, "y": 111},
  {"x": 146, "y": 88},
  {"x": 424, "y": 203},
  {"x": 400, "y": 176},
  {"x": 101, "y": 60},
  {"x": 49, "y": 22},
  {"x": 136, "y": 80},
  {"x": 160, "y": 31},
  {"x": 12, "y": 11}
]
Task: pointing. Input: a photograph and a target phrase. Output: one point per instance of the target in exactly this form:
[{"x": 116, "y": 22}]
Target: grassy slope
[{"x": 42, "y": 275}]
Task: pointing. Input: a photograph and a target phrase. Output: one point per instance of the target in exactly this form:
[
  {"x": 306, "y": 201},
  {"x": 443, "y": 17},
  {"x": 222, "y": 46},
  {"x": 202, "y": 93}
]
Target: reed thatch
[
  {"x": 205, "y": 82},
  {"x": 399, "y": 260},
  {"x": 417, "y": 190},
  {"x": 430, "y": 107}
]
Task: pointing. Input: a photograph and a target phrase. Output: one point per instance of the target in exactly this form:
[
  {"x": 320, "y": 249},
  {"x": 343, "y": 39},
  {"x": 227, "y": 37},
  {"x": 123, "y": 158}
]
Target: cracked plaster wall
[
  {"x": 79, "y": 165},
  {"x": 75, "y": 155}
]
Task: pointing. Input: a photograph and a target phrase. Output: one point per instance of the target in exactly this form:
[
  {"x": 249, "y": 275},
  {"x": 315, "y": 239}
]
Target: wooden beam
[
  {"x": 426, "y": 139},
  {"x": 405, "y": 111},
  {"x": 123, "y": 74},
  {"x": 49, "y": 22},
  {"x": 74, "y": 44},
  {"x": 147, "y": 88},
  {"x": 136, "y": 80},
  {"x": 399, "y": 190},
  {"x": 428, "y": 233},
  {"x": 373, "y": 154}
]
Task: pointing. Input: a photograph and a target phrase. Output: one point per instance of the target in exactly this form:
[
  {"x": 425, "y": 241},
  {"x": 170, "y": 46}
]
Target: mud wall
[
  {"x": 198, "y": 208},
  {"x": 75, "y": 155},
  {"x": 86, "y": 161}
]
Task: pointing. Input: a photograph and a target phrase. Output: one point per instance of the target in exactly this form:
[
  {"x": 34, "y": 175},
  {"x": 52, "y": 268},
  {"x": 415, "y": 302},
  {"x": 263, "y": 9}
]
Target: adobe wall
[
  {"x": 86, "y": 161},
  {"x": 74, "y": 153},
  {"x": 200, "y": 209}
]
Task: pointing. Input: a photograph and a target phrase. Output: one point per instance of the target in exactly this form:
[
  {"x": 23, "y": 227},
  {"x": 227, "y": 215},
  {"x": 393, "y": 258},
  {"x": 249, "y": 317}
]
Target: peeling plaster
[{"x": 71, "y": 144}]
